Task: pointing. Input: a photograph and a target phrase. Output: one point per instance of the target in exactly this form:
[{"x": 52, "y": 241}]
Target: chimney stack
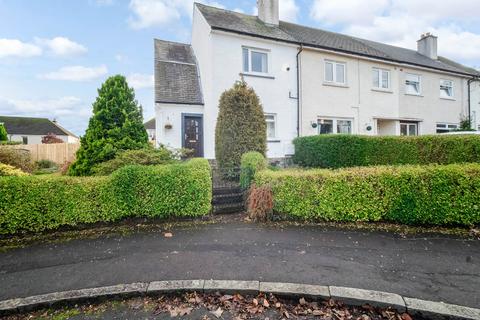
[
  {"x": 268, "y": 11},
  {"x": 427, "y": 45}
]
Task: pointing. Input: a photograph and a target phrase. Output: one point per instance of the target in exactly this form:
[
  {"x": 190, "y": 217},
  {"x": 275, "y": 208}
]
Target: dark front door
[{"x": 193, "y": 133}]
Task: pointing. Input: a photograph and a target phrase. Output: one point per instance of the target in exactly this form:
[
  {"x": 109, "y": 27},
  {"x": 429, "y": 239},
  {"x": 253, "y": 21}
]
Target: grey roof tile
[
  {"x": 293, "y": 33},
  {"x": 32, "y": 126},
  {"x": 150, "y": 124},
  {"x": 176, "y": 74}
]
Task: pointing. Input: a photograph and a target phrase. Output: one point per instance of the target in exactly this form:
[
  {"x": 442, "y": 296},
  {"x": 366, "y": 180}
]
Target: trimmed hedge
[
  {"x": 415, "y": 195},
  {"x": 251, "y": 162},
  {"x": 37, "y": 203},
  {"x": 340, "y": 151}
]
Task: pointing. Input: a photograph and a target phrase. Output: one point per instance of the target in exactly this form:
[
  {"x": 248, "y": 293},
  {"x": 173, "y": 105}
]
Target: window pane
[
  {"x": 340, "y": 73},
  {"x": 344, "y": 126},
  {"x": 325, "y": 126},
  {"x": 403, "y": 129},
  {"x": 270, "y": 130},
  {"x": 329, "y": 71},
  {"x": 245, "y": 59},
  {"x": 259, "y": 62},
  {"x": 412, "y": 130},
  {"x": 385, "y": 79},
  {"x": 376, "y": 78}
]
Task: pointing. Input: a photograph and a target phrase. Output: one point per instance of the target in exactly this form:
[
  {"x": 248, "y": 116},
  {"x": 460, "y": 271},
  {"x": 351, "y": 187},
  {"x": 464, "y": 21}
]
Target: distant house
[
  {"x": 32, "y": 130},
  {"x": 150, "y": 127}
]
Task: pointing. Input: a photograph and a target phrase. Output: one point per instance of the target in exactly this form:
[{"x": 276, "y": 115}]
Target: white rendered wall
[{"x": 37, "y": 139}]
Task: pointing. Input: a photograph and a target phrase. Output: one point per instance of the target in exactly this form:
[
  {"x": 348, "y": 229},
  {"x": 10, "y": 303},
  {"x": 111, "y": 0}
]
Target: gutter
[{"x": 298, "y": 90}]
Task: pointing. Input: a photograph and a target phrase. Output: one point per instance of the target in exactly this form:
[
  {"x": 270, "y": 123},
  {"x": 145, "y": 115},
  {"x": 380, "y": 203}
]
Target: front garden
[{"x": 430, "y": 180}]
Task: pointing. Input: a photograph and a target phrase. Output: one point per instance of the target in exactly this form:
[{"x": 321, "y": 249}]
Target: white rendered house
[{"x": 309, "y": 81}]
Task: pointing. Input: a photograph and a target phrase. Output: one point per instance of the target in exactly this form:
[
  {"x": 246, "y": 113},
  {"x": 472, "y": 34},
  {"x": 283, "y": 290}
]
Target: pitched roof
[
  {"x": 150, "y": 124},
  {"x": 33, "y": 126},
  {"x": 176, "y": 74},
  {"x": 230, "y": 21}
]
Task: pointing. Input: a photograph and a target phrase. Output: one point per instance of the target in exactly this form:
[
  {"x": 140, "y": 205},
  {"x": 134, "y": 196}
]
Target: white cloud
[
  {"x": 17, "y": 48},
  {"x": 76, "y": 73},
  {"x": 149, "y": 13},
  {"x": 346, "y": 11},
  {"x": 104, "y": 2},
  {"x": 288, "y": 10},
  {"x": 61, "y": 46},
  {"x": 140, "y": 81},
  {"x": 62, "y": 105},
  {"x": 401, "y": 22},
  {"x": 120, "y": 57}
]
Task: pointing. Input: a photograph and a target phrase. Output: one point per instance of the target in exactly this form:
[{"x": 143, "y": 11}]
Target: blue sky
[{"x": 54, "y": 54}]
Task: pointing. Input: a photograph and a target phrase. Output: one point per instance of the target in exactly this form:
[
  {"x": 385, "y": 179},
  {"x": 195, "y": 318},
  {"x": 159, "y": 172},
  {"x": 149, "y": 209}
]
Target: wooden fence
[{"x": 57, "y": 152}]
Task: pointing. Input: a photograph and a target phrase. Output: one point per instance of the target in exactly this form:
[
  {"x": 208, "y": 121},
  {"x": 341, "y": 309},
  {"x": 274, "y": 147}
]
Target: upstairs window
[
  {"x": 413, "y": 84},
  {"x": 335, "y": 72},
  {"x": 255, "y": 60},
  {"x": 381, "y": 79},
  {"x": 446, "y": 89}
]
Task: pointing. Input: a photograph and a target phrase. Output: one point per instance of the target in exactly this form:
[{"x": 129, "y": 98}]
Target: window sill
[
  {"x": 449, "y": 99},
  {"x": 382, "y": 90},
  {"x": 273, "y": 141},
  {"x": 333, "y": 84},
  {"x": 266, "y": 76},
  {"x": 414, "y": 95}
]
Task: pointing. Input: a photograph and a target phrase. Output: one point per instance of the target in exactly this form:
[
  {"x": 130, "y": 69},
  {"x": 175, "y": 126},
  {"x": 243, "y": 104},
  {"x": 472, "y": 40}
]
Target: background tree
[
  {"x": 51, "y": 138},
  {"x": 116, "y": 124},
  {"x": 3, "y": 133},
  {"x": 241, "y": 126}
]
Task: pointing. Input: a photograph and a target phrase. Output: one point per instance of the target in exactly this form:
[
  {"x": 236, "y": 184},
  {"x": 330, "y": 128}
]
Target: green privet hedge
[
  {"x": 340, "y": 151},
  {"x": 241, "y": 126},
  {"x": 414, "y": 195},
  {"x": 251, "y": 163},
  {"x": 37, "y": 203}
]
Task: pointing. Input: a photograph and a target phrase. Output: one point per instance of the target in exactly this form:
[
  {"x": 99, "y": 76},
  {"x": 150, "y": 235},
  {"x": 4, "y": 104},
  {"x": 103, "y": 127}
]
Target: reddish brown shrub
[
  {"x": 51, "y": 138},
  {"x": 260, "y": 203},
  {"x": 64, "y": 168}
]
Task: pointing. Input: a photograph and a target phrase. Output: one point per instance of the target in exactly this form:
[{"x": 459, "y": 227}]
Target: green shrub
[
  {"x": 18, "y": 158},
  {"x": 116, "y": 124},
  {"x": 3, "y": 133},
  {"x": 417, "y": 195},
  {"x": 241, "y": 126},
  {"x": 251, "y": 162},
  {"x": 146, "y": 156},
  {"x": 8, "y": 170},
  {"x": 339, "y": 151},
  {"x": 45, "y": 164},
  {"x": 37, "y": 203}
]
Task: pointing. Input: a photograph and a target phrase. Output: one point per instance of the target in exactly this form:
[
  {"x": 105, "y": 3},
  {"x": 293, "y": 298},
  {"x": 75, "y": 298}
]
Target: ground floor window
[
  {"x": 446, "y": 127},
  {"x": 271, "y": 120},
  {"x": 24, "y": 139},
  {"x": 329, "y": 126},
  {"x": 408, "y": 128}
]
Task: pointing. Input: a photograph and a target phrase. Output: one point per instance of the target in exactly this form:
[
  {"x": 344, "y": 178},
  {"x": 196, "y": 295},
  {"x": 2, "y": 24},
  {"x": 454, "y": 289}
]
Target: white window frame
[
  {"x": 442, "y": 83},
  {"x": 334, "y": 124},
  {"x": 419, "y": 93},
  {"x": 249, "y": 54},
  {"x": 380, "y": 72},
  {"x": 408, "y": 124},
  {"x": 446, "y": 127},
  {"x": 274, "y": 121},
  {"x": 334, "y": 80}
]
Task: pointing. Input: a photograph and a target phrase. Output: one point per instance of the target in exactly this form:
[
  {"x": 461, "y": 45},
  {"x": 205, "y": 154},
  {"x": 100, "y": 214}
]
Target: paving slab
[
  {"x": 232, "y": 286},
  {"x": 295, "y": 289},
  {"x": 440, "y": 310},
  {"x": 360, "y": 297}
]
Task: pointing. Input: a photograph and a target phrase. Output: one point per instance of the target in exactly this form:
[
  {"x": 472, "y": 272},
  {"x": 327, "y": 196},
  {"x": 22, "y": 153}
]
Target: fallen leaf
[
  {"x": 406, "y": 316},
  {"x": 266, "y": 304},
  {"x": 302, "y": 301},
  {"x": 278, "y": 305},
  {"x": 168, "y": 235},
  {"x": 255, "y": 302},
  {"x": 217, "y": 313},
  {"x": 179, "y": 311}
]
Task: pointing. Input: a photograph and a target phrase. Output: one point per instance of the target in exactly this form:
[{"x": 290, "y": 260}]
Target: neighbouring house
[
  {"x": 31, "y": 130},
  {"x": 309, "y": 81},
  {"x": 150, "y": 127}
]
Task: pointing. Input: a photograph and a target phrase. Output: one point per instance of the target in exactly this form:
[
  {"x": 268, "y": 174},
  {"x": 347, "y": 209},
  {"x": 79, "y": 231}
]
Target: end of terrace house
[{"x": 310, "y": 81}]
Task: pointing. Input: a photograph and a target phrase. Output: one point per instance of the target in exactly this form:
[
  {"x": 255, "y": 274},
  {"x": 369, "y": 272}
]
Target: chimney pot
[
  {"x": 427, "y": 45},
  {"x": 268, "y": 11}
]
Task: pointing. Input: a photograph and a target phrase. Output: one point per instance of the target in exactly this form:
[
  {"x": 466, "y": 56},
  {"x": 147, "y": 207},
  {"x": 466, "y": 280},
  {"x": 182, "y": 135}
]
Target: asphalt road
[{"x": 438, "y": 268}]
